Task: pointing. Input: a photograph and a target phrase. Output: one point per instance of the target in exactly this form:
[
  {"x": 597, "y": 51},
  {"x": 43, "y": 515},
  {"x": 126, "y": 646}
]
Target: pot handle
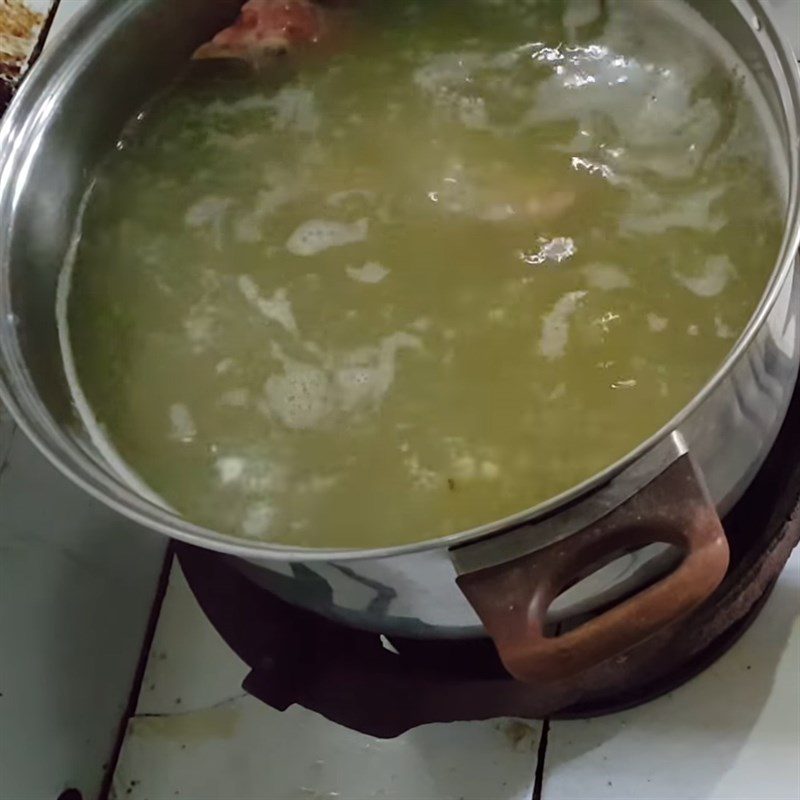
[{"x": 512, "y": 598}]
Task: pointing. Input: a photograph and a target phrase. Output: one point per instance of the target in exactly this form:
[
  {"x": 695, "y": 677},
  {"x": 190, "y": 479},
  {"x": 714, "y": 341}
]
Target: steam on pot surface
[{"x": 393, "y": 270}]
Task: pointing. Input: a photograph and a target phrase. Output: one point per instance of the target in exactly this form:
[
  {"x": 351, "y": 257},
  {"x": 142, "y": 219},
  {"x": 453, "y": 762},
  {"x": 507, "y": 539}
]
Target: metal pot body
[{"x": 68, "y": 114}]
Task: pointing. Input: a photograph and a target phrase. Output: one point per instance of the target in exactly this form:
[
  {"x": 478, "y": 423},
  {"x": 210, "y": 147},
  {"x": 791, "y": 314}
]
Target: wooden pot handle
[{"x": 512, "y": 599}]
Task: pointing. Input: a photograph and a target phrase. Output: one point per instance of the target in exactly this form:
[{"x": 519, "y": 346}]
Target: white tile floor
[
  {"x": 197, "y": 734},
  {"x": 76, "y": 589},
  {"x": 731, "y": 734}
]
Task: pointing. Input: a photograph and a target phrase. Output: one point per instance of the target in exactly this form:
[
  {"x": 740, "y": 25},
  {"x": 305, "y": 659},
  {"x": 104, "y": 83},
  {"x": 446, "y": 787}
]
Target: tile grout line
[
  {"x": 538, "y": 776},
  {"x": 138, "y": 678},
  {"x": 541, "y": 752},
  {"x": 5, "y": 456}
]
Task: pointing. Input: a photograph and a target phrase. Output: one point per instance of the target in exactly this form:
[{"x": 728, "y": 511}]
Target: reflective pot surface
[{"x": 622, "y": 527}]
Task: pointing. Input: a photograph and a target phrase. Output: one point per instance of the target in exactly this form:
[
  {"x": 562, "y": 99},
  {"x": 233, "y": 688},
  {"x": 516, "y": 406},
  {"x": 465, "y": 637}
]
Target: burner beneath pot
[{"x": 357, "y": 679}]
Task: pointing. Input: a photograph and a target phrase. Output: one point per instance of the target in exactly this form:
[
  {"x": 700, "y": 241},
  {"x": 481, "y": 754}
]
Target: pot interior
[{"x": 69, "y": 117}]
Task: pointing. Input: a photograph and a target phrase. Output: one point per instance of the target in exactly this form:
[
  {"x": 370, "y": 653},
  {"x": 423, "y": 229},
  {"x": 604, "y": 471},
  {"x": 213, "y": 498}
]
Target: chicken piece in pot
[{"x": 264, "y": 27}]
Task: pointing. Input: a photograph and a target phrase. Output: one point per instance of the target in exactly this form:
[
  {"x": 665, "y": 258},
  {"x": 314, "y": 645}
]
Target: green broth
[{"x": 427, "y": 281}]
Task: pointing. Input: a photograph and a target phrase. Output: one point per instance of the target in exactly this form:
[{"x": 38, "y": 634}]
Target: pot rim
[{"x": 17, "y": 393}]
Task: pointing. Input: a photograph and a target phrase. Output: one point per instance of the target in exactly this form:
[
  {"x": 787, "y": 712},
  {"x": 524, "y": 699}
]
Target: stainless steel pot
[{"x": 504, "y": 578}]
